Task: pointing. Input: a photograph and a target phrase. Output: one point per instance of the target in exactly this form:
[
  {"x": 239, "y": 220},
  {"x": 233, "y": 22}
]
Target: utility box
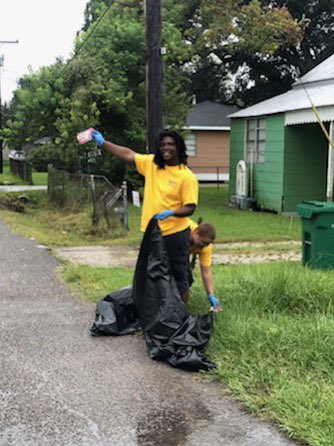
[{"x": 317, "y": 218}]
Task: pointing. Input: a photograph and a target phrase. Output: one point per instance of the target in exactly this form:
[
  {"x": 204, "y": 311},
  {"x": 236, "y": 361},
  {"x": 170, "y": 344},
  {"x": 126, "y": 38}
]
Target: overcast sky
[{"x": 45, "y": 29}]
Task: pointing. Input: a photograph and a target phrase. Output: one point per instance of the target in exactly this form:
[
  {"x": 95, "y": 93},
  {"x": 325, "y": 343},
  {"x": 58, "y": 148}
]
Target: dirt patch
[
  {"x": 115, "y": 256},
  {"x": 125, "y": 256}
]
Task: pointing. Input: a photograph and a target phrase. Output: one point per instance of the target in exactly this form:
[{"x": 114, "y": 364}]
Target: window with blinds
[
  {"x": 255, "y": 140},
  {"x": 191, "y": 145}
]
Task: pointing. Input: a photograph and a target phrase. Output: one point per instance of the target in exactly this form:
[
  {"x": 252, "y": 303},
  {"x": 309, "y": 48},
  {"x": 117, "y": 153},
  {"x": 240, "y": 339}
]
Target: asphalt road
[{"x": 59, "y": 386}]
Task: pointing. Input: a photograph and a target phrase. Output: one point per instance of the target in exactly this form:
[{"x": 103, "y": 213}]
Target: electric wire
[{"x": 90, "y": 33}]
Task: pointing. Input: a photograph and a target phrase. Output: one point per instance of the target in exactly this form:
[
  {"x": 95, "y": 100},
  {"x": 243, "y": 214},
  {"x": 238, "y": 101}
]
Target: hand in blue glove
[
  {"x": 98, "y": 138},
  {"x": 216, "y": 306},
  {"x": 163, "y": 215}
]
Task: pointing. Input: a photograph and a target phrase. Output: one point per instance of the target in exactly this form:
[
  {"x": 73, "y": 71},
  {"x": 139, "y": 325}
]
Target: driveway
[
  {"x": 62, "y": 387},
  {"x": 21, "y": 188}
]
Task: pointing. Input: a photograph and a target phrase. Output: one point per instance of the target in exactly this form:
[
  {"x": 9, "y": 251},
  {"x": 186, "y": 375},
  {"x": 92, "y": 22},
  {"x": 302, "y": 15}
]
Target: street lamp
[{"x": 1, "y": 65}]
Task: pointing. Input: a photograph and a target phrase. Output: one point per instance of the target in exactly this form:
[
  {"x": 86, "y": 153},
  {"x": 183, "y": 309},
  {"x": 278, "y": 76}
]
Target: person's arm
[
  {"x": 123, "y": 153},
  {"x": 184, "y": 211},
  {"x": 207, "y": 279}
]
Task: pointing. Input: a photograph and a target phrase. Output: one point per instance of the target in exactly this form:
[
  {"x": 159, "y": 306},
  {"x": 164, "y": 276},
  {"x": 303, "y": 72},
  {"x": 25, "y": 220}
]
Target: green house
[{"x": 288, "y": 156}]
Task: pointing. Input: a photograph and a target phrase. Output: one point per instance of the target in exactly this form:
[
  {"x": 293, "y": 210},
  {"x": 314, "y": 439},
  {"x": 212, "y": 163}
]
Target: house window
[
  {"x": 191, "y": 145},
  {"x": 255, "y": 140}
]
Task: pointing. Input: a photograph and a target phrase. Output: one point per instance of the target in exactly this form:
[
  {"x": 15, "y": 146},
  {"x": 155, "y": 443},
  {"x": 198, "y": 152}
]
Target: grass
[
  {"x": 55, "y": 227},
  {"x": 272, "y": 343},
  {"x": 234, "y": 225},
  {"x": 38, "y": 178},
  {"x": 69, "y": 227}
]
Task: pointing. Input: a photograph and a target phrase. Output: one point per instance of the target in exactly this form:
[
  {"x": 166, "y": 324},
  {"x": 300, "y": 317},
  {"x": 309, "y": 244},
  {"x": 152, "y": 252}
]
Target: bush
[
  {"x": 12, "y": 203},
  {"x": 41, "y": 156}
]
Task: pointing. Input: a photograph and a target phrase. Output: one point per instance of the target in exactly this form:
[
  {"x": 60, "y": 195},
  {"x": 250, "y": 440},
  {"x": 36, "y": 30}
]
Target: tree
[
  {"x": 103, "y": 85},
  {"x": 260, "y": 76},
  {"x": 228, "y": 33}
]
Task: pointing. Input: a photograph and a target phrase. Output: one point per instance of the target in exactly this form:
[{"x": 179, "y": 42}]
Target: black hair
[{"x": 180, "y": 145}]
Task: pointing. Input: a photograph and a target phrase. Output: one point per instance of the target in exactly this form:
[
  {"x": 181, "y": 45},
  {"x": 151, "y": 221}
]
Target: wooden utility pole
[
  {"x": 1, "y": 120},
  {"x": 154, "y": 76}
]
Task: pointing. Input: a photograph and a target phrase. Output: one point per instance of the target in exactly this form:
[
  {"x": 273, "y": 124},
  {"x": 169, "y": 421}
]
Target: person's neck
[{"x": 172, "y": 163}]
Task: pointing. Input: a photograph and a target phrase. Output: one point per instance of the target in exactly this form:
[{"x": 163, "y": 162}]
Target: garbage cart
[{"x": 317, "y": 218}]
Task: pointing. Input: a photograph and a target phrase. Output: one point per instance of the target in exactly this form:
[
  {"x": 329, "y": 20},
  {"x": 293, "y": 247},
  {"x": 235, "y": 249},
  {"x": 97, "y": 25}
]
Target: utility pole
[
  {"x": 154, "y": 76},
  {"x": 1, "y": 65}
]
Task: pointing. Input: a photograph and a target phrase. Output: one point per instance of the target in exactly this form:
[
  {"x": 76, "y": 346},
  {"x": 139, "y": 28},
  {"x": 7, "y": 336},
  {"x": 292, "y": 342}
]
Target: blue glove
[
  {"x": 213, "y": 301},
  {"x": 163, "y": 215},
  {"x": 98, "y": 138}
]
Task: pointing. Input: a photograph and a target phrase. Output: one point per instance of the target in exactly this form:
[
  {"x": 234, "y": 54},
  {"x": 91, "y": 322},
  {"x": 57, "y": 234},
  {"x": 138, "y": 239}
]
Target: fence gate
[{"x": 76, "y": 190}]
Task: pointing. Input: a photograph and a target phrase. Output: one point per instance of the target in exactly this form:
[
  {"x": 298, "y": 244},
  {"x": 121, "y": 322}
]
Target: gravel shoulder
[{"x": 224, "y": 254}]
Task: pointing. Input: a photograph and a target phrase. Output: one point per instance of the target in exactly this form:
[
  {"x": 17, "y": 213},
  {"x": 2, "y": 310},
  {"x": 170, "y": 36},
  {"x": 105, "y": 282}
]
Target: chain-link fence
[{"x": 77, "y": 190}]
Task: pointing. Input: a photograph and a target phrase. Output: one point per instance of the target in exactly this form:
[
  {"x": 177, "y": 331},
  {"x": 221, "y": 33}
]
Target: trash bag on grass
[{"x": 171, "y": 333}]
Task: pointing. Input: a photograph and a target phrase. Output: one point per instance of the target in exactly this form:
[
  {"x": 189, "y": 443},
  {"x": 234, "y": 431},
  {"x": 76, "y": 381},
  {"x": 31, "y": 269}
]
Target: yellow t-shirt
[
  {"x": 168, "y": 188},
  {"x": 204, "y": 254}
]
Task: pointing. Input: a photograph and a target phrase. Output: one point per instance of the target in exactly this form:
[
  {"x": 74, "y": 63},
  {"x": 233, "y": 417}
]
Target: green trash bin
[{"x": 317, "y": 219}]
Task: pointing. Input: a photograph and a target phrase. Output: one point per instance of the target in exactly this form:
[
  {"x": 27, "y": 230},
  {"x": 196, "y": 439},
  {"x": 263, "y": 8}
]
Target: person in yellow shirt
[
  {"x": 170, "y": 196},
  {"x": 201, "y": 238}
]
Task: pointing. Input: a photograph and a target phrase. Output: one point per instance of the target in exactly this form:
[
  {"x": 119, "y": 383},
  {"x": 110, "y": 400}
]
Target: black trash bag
[
  {"x": 154, "y": 305},
  {"x": 116, "y": 314},
  {"x": 171, "y": 334}
]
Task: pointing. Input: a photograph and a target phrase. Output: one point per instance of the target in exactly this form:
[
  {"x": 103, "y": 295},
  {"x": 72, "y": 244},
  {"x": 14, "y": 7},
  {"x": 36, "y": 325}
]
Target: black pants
[{"x": 177, "y": 247}]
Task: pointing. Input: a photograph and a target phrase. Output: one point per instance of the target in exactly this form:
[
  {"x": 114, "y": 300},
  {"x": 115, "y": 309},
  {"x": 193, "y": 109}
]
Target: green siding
[
  {"x": 305, "y": 165},
  {"x": 267, "y": 177}
]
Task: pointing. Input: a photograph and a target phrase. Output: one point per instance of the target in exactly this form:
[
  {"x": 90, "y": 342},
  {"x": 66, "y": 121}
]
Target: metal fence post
[
  {"x": 95, "y": 213},
  {"x": 125, "y": 204}
]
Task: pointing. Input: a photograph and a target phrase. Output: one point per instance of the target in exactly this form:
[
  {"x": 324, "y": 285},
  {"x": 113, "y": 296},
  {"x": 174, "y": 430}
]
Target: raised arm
[{"x": 123, "y": 153}]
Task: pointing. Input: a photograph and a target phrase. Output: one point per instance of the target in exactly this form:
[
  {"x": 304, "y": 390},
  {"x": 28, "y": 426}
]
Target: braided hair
[{"x": 180, "y": 145}]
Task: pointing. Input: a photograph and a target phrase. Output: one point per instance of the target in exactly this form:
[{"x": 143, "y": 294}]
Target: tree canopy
[{"x": 215, "y": 49}]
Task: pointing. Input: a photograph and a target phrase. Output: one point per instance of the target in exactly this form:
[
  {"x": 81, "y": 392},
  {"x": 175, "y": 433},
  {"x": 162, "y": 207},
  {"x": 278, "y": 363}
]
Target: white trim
[
  {"x": 305, "y": 116},
  {"x": 204, "y": 127},
  {"x": 212, "y": 176}
]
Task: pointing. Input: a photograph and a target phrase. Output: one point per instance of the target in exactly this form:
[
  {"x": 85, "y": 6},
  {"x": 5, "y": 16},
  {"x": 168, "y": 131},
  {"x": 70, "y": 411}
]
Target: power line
[{"x": 83, "y": 42}]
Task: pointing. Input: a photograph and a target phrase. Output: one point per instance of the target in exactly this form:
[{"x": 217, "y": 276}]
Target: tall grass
[{"x": 273, "y": 344}]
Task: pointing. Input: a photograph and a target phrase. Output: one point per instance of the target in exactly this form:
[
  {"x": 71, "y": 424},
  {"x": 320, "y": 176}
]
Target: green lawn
[
  {"x": 67, "y": 228},
  {"x": 234, "y": 225},
  {"x": 38, "y": 178}
]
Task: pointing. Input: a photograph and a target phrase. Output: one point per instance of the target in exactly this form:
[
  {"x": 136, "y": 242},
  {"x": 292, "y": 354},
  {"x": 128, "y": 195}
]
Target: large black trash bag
[
  {"x": 154, "y": 305},
  {"x": 171, "y": 334},
  {"x": 116, "y": 314}
]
